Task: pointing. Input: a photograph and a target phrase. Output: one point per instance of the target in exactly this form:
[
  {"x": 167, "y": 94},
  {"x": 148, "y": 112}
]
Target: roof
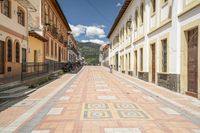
[
  {"x": 38, "y": 36},
  {"x": 62, "y": 15},
  {"x": 121, "y": 13}
]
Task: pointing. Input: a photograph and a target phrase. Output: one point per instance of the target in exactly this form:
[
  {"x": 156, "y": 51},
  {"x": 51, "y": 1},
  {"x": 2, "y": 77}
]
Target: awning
[
  {"x": 36, "y": 35},
  {"x": 27, "y": 4}
]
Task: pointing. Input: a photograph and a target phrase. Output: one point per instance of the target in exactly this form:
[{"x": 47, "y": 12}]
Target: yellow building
[{"x": 36, "y": 51}]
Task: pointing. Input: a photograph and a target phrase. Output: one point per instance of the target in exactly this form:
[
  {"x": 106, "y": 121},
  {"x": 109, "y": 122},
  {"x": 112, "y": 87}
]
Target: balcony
[{"x": 53, "y": 31}]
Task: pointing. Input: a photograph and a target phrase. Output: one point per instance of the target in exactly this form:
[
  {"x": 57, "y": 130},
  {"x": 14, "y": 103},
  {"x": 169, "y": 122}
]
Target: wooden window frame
[
  {"x": 21, "y": 19},
  {"x": 9, "y": 50},
  {"x": 9, "y": 8},
  {"x": 17, "y": 53},
  {"x": 164, "y": 56}
]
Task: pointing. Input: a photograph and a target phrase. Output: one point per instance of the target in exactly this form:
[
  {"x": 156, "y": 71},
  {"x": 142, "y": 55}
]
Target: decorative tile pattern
[
  {"x": 96, "y": 106},
  {"x": 97, "y": 114},
  {"x": 122, "y": 130},
  {"x": 169, "y": 111},
  {"x": 196, "y": 131},
  {"x": 125, "y": 106},
  {"x": 25, "y": 103},
  {"x": 40, "y": 131},
  {"x": 132, "y": 114},
  {"x": 55, "y": 111},
  {"x": 64, "y": 98},
  {"x": 106, "y": 97},
  {"x": 103, "y": 90}
]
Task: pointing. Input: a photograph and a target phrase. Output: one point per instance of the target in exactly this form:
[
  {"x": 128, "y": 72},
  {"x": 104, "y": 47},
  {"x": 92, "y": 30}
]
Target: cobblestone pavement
[{"x": 95, "y": 101}]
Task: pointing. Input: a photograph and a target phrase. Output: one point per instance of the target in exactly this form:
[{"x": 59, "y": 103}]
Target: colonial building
[
  {"x": 104, "y": 55},
  {"x": 157, "y": 41},
  {"x": 72, "y": 49},
  {"x": 50, "y": 22},
  {"x": 36, "y": 48},
  {"x": 13, "y": 38}
]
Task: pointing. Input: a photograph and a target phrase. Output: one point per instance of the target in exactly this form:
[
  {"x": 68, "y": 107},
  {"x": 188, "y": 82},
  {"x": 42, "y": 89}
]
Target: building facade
[
  {"x": 72, "y": 49},
  {"x": 157, "y": 41},
  {"x": 50, "y": 22},
  {"x": 13, "y": 38},
  {"x": 104, "y": 55}
]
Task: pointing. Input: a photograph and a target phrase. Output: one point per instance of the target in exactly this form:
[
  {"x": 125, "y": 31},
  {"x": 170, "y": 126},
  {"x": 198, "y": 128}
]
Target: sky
[{"x": 91, "y": 20}]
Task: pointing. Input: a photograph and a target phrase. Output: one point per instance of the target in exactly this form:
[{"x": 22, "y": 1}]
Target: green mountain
[{"x": 90, "y": 51}]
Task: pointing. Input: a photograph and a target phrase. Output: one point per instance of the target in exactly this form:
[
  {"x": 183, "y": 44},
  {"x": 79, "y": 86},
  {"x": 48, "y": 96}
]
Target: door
[
  {"x": 193, "y": 60},
  {"x": 59, "y": 58},
  {"x": 35, "y": 56},
  {"x": 23, "y": 60},
  {"x": 1, "y": 57},
  {"x": 136, "y": 63},
  {"x": 116, "y": 61},
  {"x": 153, "y": 63}
]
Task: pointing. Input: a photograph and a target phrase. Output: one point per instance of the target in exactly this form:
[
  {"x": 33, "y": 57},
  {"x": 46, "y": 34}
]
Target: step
[
  {"x": 17, "y": 95},
  {"x": 14, "y": 90}
]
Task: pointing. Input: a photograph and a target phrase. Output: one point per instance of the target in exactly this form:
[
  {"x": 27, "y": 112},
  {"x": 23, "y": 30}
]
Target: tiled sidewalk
[
  {"x": 96, "y": 101},
  {"x": 19, "y": 111},
  {"x": 188, "y": 103}
]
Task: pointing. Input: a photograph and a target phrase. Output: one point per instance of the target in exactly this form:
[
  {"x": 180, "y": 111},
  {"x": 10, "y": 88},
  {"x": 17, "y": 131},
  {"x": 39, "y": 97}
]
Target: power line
[{"x": 97, "y": 10}]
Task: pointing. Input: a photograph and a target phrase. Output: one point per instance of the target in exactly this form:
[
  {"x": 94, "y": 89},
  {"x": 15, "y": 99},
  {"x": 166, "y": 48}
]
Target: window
[
  {"x": 142, "y": 12},
  {"x": 47, "y": 47},
  {"x": 136, "y": 19},
  {"x": 21, "y": 16},
  {"x": 17, "y": 52},
  {"x": 51, "y": 48},
  {"x": 164, "y": 55},
  {"x": 153, "y": 2},
  {"x": 6, "y": 8},
  {"x": 56, "y": 50},
  {"x": 9, "y": 54},
  {"x": 141, "y": 59},
  {"x": 1, "y": 57}
]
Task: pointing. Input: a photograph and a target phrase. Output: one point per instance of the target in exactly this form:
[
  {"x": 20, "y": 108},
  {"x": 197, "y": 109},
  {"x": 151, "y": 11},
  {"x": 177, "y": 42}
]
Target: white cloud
[
  {"x": 78, "y": 30},
  {"x": 94, "y": 41},
  {"x": 89, "y": 31},
  {"x": 118, "y": 5}
]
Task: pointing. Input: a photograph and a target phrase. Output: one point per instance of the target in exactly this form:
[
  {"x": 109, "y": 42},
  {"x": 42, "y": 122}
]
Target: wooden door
[
  {"x": 23, "y": 60},
  {"x": 1, "y": 57},
  {"x": 153, "y": 63},
  {"x": 193, "y": 60},
  {"x": 136, "y": 63},
  {"x": 35, "y": 56}
]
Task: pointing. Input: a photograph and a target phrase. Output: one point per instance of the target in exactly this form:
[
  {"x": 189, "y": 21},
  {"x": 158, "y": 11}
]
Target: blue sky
[{"x": 91, "y": 20}]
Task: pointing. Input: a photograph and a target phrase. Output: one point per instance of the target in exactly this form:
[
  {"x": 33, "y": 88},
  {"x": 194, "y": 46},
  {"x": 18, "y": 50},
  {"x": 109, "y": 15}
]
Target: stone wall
[
  {"x": 169, "y": 81},
  {"x": 143, "y": 76}
]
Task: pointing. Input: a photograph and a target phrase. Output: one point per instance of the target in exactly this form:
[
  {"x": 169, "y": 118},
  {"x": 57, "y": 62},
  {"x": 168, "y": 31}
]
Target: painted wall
[{"x": 35, "y": 44}]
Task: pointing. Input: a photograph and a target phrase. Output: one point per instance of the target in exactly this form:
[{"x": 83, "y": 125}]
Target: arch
[
  {"x": 142, "y": 12},
  {"x": 17, "y": 51},
  {"x": 136, "y": 18},
  {"x": 9, "y": 50}
]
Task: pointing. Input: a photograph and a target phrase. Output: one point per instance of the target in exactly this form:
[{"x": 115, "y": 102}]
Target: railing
[
  {"x": 31, "y": 70},
  {"x": 55, "y": 66}
]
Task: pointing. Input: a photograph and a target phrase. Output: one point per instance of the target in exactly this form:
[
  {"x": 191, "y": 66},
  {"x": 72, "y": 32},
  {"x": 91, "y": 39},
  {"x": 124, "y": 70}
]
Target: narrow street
[{"x": 95, "y": 101}]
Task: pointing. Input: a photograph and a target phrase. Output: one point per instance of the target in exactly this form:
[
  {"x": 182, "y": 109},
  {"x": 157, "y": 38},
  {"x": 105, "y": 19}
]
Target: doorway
[
  {"x": 1, "y": 57},
  {"x": 192, "y": 60},
  {"x": 136, "y": 71},
  {"x": 153, "y": 63}
]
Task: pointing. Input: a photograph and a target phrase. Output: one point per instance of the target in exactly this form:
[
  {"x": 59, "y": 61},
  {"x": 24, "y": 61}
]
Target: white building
[{"x": 157, "y": 41}]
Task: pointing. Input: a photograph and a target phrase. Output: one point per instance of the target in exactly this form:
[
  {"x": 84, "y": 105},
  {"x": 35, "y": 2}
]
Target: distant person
[{"x": 111, "y": 67}]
